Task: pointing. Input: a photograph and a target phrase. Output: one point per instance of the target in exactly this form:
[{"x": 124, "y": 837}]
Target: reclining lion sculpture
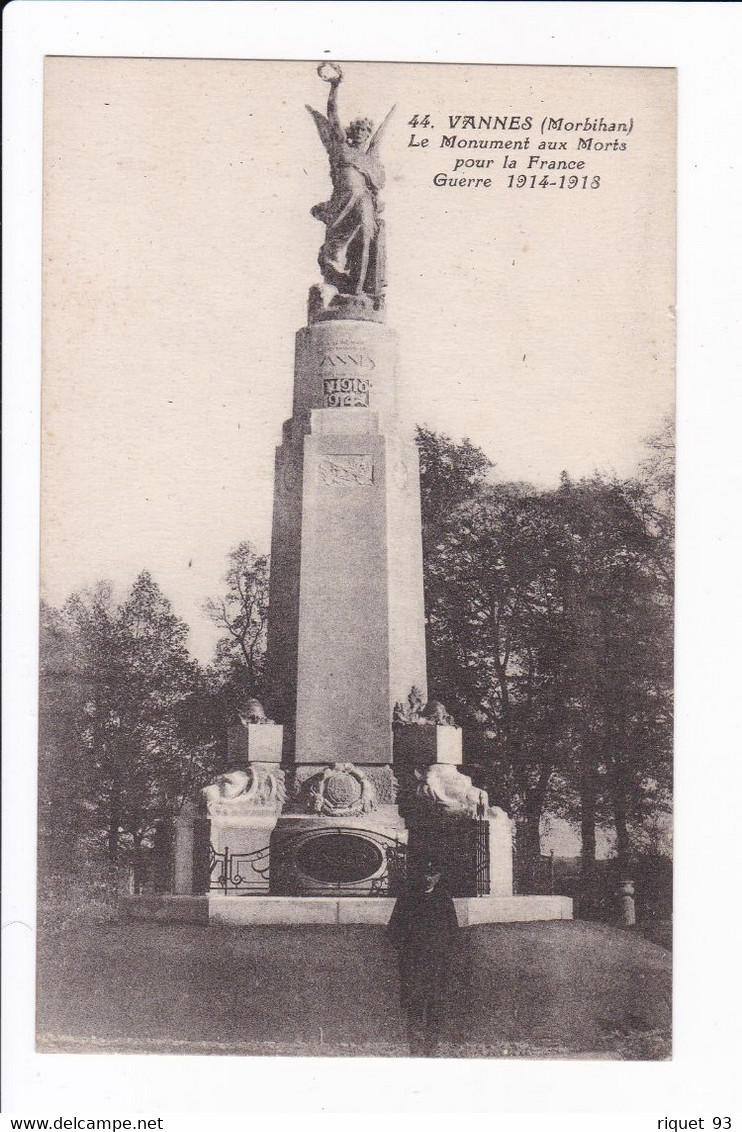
[
  {"x": 258, "y": 786},
  {"x": 453, "y": 792}
]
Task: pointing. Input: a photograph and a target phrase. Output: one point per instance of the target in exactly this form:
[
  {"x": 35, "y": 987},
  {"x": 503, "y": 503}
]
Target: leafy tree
[
  {"x": 243, "y": 614},
  {"x": 635, "y": 650},
  {"x": 90, "y": 622},
  {"x": 493, "y": 624},
  {"x": 496, "y": 630},
  {"x": 651, "y": 494},
  {"x": 155, "y": 760},
  {"x": 548, "y": 627},
  {"x": 128, "y": 692},
  {"x": 61, "y": 764},
  {"x": 619, "y": 657},
  {"x": 450, "y": 474}
]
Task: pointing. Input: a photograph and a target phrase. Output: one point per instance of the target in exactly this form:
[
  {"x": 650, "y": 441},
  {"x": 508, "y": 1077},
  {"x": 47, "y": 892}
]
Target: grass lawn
[{"x": 553, "y": 989}]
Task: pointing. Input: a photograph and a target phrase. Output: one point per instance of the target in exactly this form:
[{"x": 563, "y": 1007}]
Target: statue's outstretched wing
[
  {"x": 324, "y": 129},
  {"x": 376, "y": 139}
]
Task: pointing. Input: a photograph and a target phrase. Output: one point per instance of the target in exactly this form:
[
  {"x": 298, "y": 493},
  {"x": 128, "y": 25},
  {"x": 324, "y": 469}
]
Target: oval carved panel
[{"x": 339, "y": 858}]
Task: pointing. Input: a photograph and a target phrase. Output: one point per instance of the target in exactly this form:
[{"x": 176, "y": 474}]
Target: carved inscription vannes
[
  {"x": 345, "y": 379},
  {"x": 347, "y": 470}
]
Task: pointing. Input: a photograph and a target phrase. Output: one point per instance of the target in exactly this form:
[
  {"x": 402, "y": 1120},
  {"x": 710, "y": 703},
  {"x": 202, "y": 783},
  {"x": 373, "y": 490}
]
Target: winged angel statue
[{"x": 352, "y": 256}]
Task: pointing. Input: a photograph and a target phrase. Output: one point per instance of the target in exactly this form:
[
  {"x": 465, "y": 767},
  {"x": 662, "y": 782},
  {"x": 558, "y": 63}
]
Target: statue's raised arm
[
  {"x": 330, "y": 129},
  {"x": 352, "y": 256},
  {"x": 333, "y": 117}
]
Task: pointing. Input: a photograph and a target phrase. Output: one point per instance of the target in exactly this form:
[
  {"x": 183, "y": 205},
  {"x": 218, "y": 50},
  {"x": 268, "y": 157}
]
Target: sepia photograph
[{"x": 356, "y": 631}]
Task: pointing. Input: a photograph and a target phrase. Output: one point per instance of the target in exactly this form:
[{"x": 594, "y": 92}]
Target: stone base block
[
  {"x": 243, "y": 833},
  {"x": 377, "y": 911},
  {"x": 423, "y": 744},
  {"x": 287, "y": 911},
  {"x": 501, "y": 853},
  {"x": 255, "y": 743},
  {"x": 322, "y": 308},
  {"x": 297, "y": 910},
  {"x": 512, "y": 909},
  {"x": 242, "y": 846}
]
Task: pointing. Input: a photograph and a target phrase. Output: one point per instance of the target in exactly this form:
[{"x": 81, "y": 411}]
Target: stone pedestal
[
  {"x": 418, "y": 745},
  {"x": 340, "y": 835},
  {"x": 242, "y": 809},
  {"x": 450, "y": 820},
  {"x": 255, "y": 743},
  {"x": 191, "y": 851},
  {"x": 243, "y": 843},
  {"x": 346, "y": 641},
  {"x": 626, "y": 904},
  {"x": 346, "y": 632},
  {"x": 183, "y": 850},
  {"x": 501, "y": 852}
]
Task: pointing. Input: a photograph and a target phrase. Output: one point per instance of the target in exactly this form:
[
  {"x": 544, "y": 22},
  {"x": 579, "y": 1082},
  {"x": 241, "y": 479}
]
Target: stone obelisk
[
  {"x": 356, "y": 777},
  {"x": 346, "y": 634}
]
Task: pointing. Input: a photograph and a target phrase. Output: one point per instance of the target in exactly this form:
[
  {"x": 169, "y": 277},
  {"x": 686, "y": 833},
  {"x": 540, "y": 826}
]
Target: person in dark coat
[{"x": 424, "y": 929}]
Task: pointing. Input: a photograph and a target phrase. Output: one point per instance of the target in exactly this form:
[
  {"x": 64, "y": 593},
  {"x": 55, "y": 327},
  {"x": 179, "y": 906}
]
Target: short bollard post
[
  {"x": 626, "y": 905},
  {"x": 183, "y": 850}
]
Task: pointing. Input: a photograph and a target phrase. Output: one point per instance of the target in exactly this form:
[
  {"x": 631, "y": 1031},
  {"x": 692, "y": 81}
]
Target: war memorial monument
[{"x": 350, "y": 777}]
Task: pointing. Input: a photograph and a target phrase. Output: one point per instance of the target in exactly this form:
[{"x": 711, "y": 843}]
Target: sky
[{"x": 179, "y": 249}]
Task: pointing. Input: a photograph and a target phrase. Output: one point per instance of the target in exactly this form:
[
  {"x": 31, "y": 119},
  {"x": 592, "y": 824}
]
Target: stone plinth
[
  {"x": 340, "y": 835},
  {"x": 240, "y": 810},
  {"x": 512, "y": 909},
  {"x": 501, "y": 852},
  {"x": 183, "y": 851},
  {"x": 290, "y": 911},
  {"x": 450, "y": 821},
  {"x": 255, "y": 743},
  {"x": 246, "y": 839},
  {"x": 626, "y": 905},
  {"x": 190, "y": 846},
  {"x": 346, "y": 364},
  {"x": 346, "y": 632},
  {"x": 420, "y": 744}
]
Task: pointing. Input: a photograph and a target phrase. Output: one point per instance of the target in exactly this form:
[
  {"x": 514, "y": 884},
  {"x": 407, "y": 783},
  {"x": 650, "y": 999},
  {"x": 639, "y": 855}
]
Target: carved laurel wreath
[{"x": 342, "y": 791}]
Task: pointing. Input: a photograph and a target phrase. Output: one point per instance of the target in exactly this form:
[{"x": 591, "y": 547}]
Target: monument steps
[{"x": 288, "y": 910}]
